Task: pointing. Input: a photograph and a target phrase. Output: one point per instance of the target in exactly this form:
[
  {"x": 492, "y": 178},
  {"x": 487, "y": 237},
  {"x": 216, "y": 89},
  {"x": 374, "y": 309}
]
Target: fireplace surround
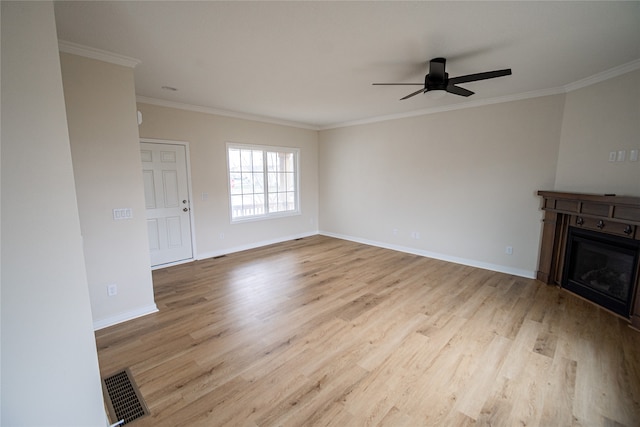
[{"x": 590, "y": 246}]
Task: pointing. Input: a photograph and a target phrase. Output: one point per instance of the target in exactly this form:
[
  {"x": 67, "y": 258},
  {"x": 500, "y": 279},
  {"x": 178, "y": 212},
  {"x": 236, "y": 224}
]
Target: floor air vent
[{"x": 124, "y": 400}]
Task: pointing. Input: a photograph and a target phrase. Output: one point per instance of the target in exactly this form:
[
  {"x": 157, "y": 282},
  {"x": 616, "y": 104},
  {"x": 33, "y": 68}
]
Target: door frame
[{"x": 192, "y": 229}]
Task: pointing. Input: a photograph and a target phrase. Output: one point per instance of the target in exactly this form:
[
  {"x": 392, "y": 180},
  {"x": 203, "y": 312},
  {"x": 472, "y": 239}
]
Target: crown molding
[
  {"x": 93, "y": 53},
  {"x": 452, "y": 107},
  {"x": 605, "y": 75},
  {"x": 224, "y": 113},
  {"x": 415, "y": 113}
]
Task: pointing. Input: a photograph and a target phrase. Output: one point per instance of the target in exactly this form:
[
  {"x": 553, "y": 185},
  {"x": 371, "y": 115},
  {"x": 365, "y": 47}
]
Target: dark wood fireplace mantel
[{"x": 610, "y": 214}]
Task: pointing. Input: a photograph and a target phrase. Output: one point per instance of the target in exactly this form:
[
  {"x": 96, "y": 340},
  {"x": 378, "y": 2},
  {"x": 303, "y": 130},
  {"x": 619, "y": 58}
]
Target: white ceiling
[{"x": 313, "y": 62}]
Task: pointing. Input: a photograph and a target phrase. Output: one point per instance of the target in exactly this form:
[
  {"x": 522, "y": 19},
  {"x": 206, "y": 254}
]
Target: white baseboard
[
  {"x": 253, "y": 245},
  {"x": 123, "y": 317},
  {"x": 469, "y": 262}
]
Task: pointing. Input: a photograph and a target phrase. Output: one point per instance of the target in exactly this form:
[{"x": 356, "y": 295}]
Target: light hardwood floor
[{"x": 322, "y": 331}]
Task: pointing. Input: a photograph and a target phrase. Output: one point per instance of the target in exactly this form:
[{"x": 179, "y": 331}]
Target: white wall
[
  {"x": 207, "y": 135},
  {"x": 466, "y": 180},
  {"x": 50, "y": 373},
  {"x": 599, "y": 119},
  {"x": 101, "y": 112}
]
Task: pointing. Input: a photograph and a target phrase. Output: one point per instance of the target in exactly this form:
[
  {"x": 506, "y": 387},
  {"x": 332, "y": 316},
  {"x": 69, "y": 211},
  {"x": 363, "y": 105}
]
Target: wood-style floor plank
[{"x": 325, "y": 332}]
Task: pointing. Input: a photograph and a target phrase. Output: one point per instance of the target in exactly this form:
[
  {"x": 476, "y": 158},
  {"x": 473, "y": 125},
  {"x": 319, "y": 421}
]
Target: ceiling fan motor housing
[{"x": 431, "y": 83}]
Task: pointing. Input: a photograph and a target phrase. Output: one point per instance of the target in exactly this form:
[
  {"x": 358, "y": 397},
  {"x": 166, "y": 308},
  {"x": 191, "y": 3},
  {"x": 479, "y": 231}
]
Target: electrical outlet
[
  {"x": 508, "y": 250},
  {"x": 221, "y": 236},
  {"x": 415, "y": 235},
  {"x": 395, "y": 231},
  {"x": 112, "y": 290}
]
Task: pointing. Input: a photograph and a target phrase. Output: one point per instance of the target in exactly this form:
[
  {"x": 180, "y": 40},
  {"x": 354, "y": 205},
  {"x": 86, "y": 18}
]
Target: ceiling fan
[{"x": 438, "y": 79}]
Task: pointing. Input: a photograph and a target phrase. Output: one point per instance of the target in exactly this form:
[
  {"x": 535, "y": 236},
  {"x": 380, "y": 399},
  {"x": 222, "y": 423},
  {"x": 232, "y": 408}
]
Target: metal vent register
[{"x": 124, "y": 401}]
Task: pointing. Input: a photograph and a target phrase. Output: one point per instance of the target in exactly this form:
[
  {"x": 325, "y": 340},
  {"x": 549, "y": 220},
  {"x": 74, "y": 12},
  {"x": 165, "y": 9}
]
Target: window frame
[{"x": 265, "y": 149}]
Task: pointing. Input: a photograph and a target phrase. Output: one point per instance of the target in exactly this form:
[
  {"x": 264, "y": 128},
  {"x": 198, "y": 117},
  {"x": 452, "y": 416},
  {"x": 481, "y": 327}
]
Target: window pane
[
  {"x": 246, "y": 158},
  {"x": 272, "y": 182},
  {"x": 247, "y": 202},
  {"x": 291, "y": 201},
  {"x": 234, "y": 160},
  {"x": 282, "y": 182},
  {"x": 258, "y": 160},
  {"x": 290, "y": 182},
  {"x": 258, "y": 183},
  {"x": 273, "y": 202},
  {"x": 259, "y": 204},
  {"x": 234, "y": 183},
  {"x": 283, "y": 202},
  {"x": 288, "y": 162},
  {"x": 247, "y": 183},
  {"x": 236, "y": 206},
  {"x": 274, "y": 161}
]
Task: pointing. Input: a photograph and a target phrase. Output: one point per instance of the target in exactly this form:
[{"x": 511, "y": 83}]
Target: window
[{"x": 263, "y": 181}]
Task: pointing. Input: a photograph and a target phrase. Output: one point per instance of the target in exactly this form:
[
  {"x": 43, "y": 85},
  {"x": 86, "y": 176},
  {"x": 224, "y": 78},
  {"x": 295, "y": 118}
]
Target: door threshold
[{"x": 171, "y": 264}]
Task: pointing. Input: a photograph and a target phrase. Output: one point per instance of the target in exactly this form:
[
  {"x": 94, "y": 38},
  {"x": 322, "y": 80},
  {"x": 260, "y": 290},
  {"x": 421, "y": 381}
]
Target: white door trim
[{"x": 190, "y": 192}]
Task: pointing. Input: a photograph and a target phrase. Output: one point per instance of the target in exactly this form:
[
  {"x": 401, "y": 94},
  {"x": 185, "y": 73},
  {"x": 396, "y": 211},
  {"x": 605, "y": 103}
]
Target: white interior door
[{"x": 166, "y": 191}]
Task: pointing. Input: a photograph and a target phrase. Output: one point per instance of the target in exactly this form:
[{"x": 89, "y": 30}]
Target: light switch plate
[
  {"x": 122, "y": 213},
  {"x": 621, "y": 155},
  {"x": 612, "y": 156},
  {"x": 633, "y": 155}
]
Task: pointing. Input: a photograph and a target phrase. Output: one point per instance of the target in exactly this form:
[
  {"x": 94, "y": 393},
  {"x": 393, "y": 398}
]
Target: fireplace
[
  {"x": 590, "y": 246},
  {"x": 601, "y": 268}
]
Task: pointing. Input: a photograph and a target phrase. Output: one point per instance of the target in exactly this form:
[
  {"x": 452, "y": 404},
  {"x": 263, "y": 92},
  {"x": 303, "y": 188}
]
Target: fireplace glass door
[{"x": 601, "y": 268}]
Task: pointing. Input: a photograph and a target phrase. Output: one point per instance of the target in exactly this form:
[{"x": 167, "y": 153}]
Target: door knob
[
  {"x": 184, "y": 202},
  {"x": 185, "y": 209}
]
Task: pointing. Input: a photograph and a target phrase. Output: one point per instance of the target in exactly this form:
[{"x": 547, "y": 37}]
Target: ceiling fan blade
[
  {"x": 397, "y": 84},
  {"x": 479, "y": 76},
  {"x": 412, "y": 94},
  {"x": 457, "y": 90}
]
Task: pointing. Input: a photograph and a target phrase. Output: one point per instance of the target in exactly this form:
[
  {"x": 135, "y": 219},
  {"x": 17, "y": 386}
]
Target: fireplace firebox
[{"x": 601, "y": 268}]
